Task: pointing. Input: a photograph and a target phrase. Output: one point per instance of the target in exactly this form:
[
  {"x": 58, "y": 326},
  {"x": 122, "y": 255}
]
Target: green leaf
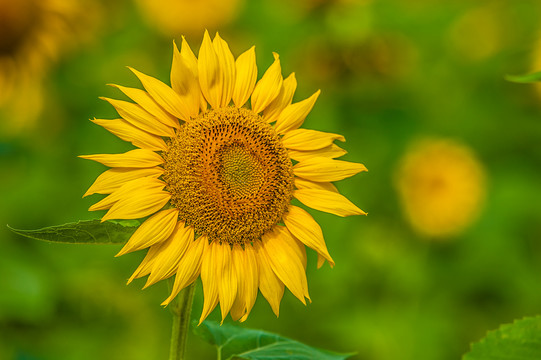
[
  {"x": 84, "y": 232},
  {"x": 234, "y": 342},
  {"x": 528, "y": 78},
  {"x": 520, "y": 340}
]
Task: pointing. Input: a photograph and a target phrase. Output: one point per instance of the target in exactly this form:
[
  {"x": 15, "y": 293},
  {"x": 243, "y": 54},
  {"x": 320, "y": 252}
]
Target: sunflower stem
[{"x": 181, "y": 309}]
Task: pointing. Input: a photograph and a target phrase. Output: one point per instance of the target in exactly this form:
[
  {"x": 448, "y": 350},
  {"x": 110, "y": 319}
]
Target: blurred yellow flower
[
  {"x": 176, "y": 17},
  {"x": 480, "y": 32},
  {"x": 33, "y": 34},
  {"x": 441, "y": 186},
  {"x": 216, "y": 177}
]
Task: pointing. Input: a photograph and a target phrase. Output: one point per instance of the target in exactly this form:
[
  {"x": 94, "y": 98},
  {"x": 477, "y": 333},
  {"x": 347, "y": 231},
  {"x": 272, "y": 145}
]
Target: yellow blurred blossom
[
  {"x": 441, "y": 185},
  {"x": 187, "y": 17},
  {"x": 33, "y": 34}
]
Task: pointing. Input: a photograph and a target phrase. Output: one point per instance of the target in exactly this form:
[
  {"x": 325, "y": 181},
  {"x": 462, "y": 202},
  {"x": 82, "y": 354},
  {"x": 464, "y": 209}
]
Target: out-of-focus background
[{"x": 452, "y": 244}]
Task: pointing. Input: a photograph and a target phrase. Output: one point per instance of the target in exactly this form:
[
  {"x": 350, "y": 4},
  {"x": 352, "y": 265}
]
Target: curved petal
[
  {"x": 127, "y": 132},
  {"x": 306, "y": 139},
  {"x": 138, "y": 158},
  {"x": 144, "y": 100},
  {"x": 141, "y": 202},
  {"x": 209, "y": 71},
  {"x": 245, "y": 264},
  {"x": 146, "y": 264},
  {"x": 189, "y": 266},
  {"x": 226, "y": 277},
  {"x": 270, "y": 286},
  {"x": 126, "y": 190},
  {"x": 301, "y": 183},
  {"x": 246, "y": 77},
  {"x": 209, "y": 280},
  {"x": 283, "y": 99},
  {"x": 185, "y": 83},
  {"x": 268, "y": 88},
  {"x": 114, "y": 178},
  {"x": 282, "y": 258},
  {"x": 332, "y": 151},
  {"x": 170, "y": 254},
  {"x": 155, "y": 229},
  {"x": 303, "y": 226},
  {"x": 226, "y": 65},
  {"x": 166, "y": 97},
  {"x": 137, "y": 116},
  {"x": 327, "y": 201},
  {"x": 322, "y": 169},
  {"x": 293, "y": 116},
  {"x": 239, "y": 305}
]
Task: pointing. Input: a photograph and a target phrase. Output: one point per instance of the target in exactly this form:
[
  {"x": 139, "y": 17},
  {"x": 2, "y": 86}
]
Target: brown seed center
[{"x": 229, "y": 175}]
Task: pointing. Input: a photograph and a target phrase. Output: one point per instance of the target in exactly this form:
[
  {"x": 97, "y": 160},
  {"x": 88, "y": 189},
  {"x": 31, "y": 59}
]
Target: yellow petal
[
  {"x": 283, "y": 99},
  {"x": 191, "y": 61},
  {"x": 126, "y": 190},
  {"x": 246, "y": 77},
  {"x": 130, "y": 133},
  {"x": 332, "y": 151},
  {"x": 209, "y": 280},
  {"x": 306, "y": 139},
  {"x": 293, "y": 116},
  {"x": 250, "y": 279},
  {"x": 155, "y": 229},
  {"x": 268, "y": 88},
  {"x": 226, "y": 65},
  {"x": 170, "y": 254},
  {"x": 189, "y": 266},
  {"x": 138, "y": 158},
  {"x": 303, "y": 226},
  {"x": 226, "y": 277},
  {"x": 137, "y": 116},
  {"x": 113, "y": 179},
  {"x": 144, "y": 267},
  {"x": 166, "y": 97},
  {"x": 300, "y": 251},
  {"x": 281, "y": 256},
  {"x": 327, "y": 201},
  {"x": 209, "y": 72},
  {"x": 320, "y": 261},
  {"x": 245, "y": 264},
  {"x": 239, "y": 305},
  {"x": 188, "y": 56},
  {"x": 144, "y": 100},
  {"x": 271, "y": 287},
  {"x": 326, "y": 170},
  {"x": 141, "y": 203},
  {"x": 185, "y": 83},
  {"x": 301, "y": 183}
]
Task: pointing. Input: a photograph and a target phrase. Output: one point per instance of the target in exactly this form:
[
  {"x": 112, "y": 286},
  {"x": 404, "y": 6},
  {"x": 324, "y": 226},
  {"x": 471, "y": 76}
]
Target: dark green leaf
[
  {"x": 520, "y": 340},
  {"x": 84, "y": 232},
  {"x": 528, "y": 78},
  {"x": 234, "y": 342}
]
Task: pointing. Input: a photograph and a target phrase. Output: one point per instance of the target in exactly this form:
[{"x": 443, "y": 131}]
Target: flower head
[{"x": 216, "y": 177}]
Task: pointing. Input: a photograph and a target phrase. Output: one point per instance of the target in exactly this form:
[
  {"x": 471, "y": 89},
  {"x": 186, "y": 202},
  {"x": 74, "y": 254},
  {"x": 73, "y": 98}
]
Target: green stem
[{"x": 181, "y": 310}]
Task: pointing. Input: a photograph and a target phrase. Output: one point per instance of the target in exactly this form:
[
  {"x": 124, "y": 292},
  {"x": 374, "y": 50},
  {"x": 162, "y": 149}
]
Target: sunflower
[
  {"x": 216, "y": 177},
  {"x": 441, "y": 184}
]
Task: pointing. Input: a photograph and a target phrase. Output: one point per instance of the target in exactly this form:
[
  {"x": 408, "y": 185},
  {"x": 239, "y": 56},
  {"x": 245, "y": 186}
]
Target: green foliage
[
  {"x": 528, "y": 78},
  {"x": 84, "y": 232},
  {"x": 234, "y": 342},
  {"x": 520, "y": 340}
]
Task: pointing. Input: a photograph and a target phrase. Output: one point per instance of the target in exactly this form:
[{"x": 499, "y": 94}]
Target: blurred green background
[{"x": 390, "y": 71}]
